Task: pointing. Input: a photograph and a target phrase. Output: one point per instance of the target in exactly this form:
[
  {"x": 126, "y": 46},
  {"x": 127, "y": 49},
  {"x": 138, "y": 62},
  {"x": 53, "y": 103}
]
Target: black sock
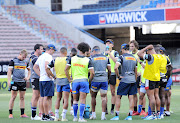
[
  {"x": 22, "y": 111},
  {"x": 112, "y": 106},
  {"x": 43, "y": 115},
  {"x": 106, "y": 107},
  {"x": 10, "y": 111},
  {"x": 135, "y": 108},
  {"x": 33, "y": 113},
  {"x": 117, "y": 114},
  {"x": 153, "y": 113},
  {"x": 143, "y": 109}
]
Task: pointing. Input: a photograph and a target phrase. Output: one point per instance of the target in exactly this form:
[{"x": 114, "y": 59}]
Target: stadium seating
[
  {"x": 15, "y": 38},
  {"x": 161, "y": 3},
  {"x": 103, "y": 5}
]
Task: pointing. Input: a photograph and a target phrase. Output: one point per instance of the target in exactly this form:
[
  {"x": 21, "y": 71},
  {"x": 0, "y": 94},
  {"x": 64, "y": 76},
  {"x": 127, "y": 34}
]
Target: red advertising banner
[{"x": 172, "y": 14}]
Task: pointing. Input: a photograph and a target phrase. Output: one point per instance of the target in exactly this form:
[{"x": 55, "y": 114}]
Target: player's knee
[
  {"x": 22, "y": 98},
  {"x": 141, "y": 97},
  {"x": 113, "y": 93}
]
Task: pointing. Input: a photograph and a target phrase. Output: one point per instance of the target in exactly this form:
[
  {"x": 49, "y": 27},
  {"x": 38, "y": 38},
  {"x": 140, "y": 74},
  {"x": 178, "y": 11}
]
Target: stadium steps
[{"x": 14, "y": 38}]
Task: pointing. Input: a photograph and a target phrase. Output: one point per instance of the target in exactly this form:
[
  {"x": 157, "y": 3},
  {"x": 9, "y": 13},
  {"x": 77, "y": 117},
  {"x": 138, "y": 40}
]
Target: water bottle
[{"x": 107, "y": 48}]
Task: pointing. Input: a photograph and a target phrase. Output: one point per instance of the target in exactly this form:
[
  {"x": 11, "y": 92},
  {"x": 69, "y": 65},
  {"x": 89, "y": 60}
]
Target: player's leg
[
  {"x": 22, "y": 103},
  {"x": 103, "y": 92},
  {"x": 158, "y": 102},
  {"x": 93, "y": 104},
  {"x": 11, "y": 103},
  {"x": 75, "y": 92},
  {"x": 48, "y": 93},
  {"x": 66, "y": 90},
  {"x": 57, "y": 104},
  {"x": 84, "y": 90},
  {"x": 35, "y": 98},
  {"x": 113, "y": 95}
]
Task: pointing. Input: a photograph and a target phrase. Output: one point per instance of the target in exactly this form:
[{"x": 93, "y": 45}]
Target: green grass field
[{"x": 5, "y": 96}]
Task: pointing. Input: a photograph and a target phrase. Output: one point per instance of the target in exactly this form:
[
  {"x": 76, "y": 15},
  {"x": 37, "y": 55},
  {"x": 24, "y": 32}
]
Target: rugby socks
[
  {"x": 139, "y": 108},
  {"x": 94, "y": 114},
  {"x": 103, "y": 114},
  {"x": 33, "y": 109},
  {"x": 135, "y": 108},
  {"x": 112, "y": 106},
  {"x": 153, "y": 113},
  {"x": 82, "y": 107},
  {"x": 143, "y": 109},
  {"x": 149, "y": 111},
  {"x": 64, "y": 113},
  {"x": 57, "y": 113},
  {"x": 10, "y": 111},
  {"x": 117, "y": 113},
  {"x": 130, "y": 113},
  {"x": 22, "y": 111},
  {"x": 161, "y": 110},
  {"x": 75, "y": 108}
]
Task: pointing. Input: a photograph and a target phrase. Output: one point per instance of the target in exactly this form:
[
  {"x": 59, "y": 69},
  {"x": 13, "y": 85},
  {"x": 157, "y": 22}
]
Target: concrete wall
[
  {"x": 46, "y": 4},
  {"x": 76, "y": 4},
  {"x": 61, "y": 26}
]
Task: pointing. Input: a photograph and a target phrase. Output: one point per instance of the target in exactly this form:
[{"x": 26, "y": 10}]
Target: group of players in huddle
[{"x": 139, "y": 71}]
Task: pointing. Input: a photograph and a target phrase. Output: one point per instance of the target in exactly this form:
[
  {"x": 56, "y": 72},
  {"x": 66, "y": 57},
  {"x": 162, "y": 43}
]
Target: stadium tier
[
  {"x": 161, "y": 4},
  {"x": 15, "y": 37},
  {"x": 103, "y": 5}
]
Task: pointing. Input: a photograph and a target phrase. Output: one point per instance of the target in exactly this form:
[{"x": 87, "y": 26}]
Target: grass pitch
[{"x": 5, "y": 97}]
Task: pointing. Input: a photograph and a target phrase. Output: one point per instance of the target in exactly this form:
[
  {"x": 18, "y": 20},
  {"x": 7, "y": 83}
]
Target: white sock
[
  {"x": 117, "y": 113},
  {"x": 64, "y": 113},
  {"x": 130, "y": 112},
  {"x": 94, "y": 114},
  {"x": 57, "y": 113},
  {"x": 103, "y": 114}
]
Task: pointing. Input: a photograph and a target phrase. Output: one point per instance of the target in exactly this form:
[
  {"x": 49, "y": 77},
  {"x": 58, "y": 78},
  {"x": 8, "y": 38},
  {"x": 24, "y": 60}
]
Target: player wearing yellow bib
[
  {"x": 152, "y": 76},
  {"x": 80, "y": 66},
  {"x": 62, "y": 83},
  {"x": 164, "y": 70},
  {"x": 113, "y": 56},
  {"x": 168, "y": 85}
]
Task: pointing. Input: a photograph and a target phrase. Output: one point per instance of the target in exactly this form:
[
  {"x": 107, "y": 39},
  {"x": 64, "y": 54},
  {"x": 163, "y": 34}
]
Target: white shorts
[{"x": 142, "y": 88}]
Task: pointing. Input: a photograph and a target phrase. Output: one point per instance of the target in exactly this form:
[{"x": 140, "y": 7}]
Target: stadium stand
[
  {"x": 14, "y": 37},
  {"x": 161, "y": 4},
  {"x": 103, "y": 5}
]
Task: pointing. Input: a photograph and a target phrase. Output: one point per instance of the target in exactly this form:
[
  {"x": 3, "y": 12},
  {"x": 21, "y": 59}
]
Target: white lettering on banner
[{"x": 125, "y": 17}]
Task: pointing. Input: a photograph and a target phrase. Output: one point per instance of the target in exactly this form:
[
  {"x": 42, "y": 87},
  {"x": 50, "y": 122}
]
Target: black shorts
[
  {"x": 112, "y": 80},
  {"x": 138, "y": 81},
  {"x": 163, "y": 82},
  {"x": 35, "y": 84},
  {"x": 153, "y": 84},
  {"x": 21, "y": 86}
]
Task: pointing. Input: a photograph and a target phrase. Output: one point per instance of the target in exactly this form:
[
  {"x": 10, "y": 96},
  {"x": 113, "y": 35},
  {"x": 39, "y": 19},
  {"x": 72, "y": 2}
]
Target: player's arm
[
  {"x": 135, "y": 72},
  {"x": 29, "y": 75},
  {"x": 118, "y": 63},
  {"x": 36, "y": 69},
  {"x": 48, "y": 71},
  {"x": 9, "y": 73},
  {"x": 91, "y": 70},
  {"x": 67, "y": 68},
  {"x": 112, "y": 57},
  {"x": 109, "y": 69},
  {"x": 169, "y": 68},
  {"x": 141, "y": 52}
]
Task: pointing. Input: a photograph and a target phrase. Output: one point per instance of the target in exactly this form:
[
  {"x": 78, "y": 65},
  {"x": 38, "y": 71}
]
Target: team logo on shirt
[
  {"x": 130, "y": 58},
  {"x": 79, "y": 65},
  {"x": 100, "y": 58},
  {"x": 19, "y": 67}
]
